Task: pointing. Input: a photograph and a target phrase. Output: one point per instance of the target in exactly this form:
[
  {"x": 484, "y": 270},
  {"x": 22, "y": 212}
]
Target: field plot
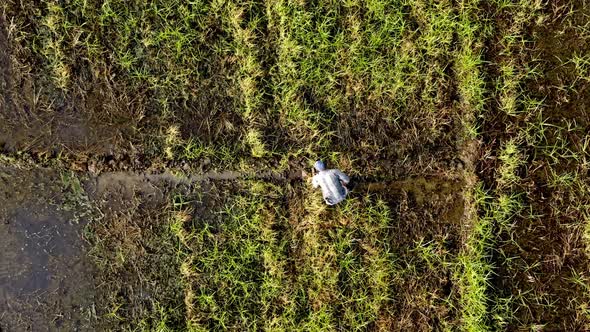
[
  {"x": 167, "y": 142},
  {"x": 235, "y": 84},
  {"x": 255, "y": 256},
  {"x": 537, "y": 135}
]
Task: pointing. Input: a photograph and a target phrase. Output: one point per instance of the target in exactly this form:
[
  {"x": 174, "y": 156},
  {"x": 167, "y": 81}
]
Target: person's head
[{"x": 319, "y": 165}]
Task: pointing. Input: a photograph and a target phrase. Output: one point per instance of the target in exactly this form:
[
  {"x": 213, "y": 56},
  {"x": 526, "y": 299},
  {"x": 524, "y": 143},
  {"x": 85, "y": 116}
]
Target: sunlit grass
[
  {"x": 249, "y": 266},
  {"x": 370, "y": 86}
]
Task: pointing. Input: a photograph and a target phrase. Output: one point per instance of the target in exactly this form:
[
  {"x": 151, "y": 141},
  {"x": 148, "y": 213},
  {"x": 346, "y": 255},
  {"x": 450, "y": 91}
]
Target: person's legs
[{"x": 346, "y": 190}]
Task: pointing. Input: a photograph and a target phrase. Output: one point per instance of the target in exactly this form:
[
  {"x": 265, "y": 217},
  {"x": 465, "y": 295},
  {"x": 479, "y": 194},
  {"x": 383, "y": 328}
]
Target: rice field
[{"x": 169, "y": 143}]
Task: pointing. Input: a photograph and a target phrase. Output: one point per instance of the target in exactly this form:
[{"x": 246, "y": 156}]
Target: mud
[
  {"x": 37, "y": 118},
  {"x": 136, "y": 254},
  {"x": 566, "y": 91},
  {"x": 116, "y": 187},
  {"x": 421, "y": 188},
  {"x": 134, "y": 178},
  {"x": 428, "y": 213},
  {"x": 46, "y": 280}
]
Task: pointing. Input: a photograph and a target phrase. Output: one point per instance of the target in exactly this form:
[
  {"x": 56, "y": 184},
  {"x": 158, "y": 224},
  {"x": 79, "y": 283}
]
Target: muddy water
[{"x": 45, "y": 280}]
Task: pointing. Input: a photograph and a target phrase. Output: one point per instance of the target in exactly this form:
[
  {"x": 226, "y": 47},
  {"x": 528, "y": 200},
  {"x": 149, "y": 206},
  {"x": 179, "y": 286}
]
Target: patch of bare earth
[
  {"x": 46, "y": 280},
  {"x": 135, "y": 253}
]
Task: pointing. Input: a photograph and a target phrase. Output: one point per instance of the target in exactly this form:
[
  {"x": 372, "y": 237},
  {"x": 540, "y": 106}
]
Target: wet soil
[
  {"x": 61, "y": 265},
  {"x": 30, "y": 118},
  {"x": 69, "y": 273},
  {"x": 429, "y": 213},
  {"x": 565, "y": 90},
  {"x": 46, "y": 279}
]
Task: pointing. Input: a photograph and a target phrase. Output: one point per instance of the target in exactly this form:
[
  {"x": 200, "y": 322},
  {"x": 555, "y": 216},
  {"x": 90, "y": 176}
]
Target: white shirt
[{"x": 331, "y": 183}]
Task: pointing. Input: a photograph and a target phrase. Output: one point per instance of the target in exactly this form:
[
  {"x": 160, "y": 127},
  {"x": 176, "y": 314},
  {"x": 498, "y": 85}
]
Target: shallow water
[{"x": 45, "y": 279}]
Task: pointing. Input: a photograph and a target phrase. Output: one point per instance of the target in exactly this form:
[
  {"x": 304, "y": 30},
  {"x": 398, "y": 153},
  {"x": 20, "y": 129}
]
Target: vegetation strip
[{"x": 538, "y": 252}]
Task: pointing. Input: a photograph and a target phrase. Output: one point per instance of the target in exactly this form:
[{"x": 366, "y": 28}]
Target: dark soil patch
[
  {"x": 428, "y": 214},
  {"x": 46, "y": 281},
  {"x": 565, "y": 91},
  {"x": 36, "y": 118},
  {"x": 105, "y": 111}
]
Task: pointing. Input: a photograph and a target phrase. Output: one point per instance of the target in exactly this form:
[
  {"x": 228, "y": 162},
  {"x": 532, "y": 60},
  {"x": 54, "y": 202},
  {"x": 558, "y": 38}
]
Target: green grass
[
  {"x": 282, "y": 80},
  {"x": 444, "y": 91},
  {"x": 279, "y": 80},
  {"x": 248, "y": 267},
  {"x": 251, "y": 262},
  {"x": 537, "y": 156}
]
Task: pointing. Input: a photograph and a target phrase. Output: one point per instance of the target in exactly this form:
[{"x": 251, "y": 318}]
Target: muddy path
[
  {"x": 370, "y": 183},
  {"x": 118, "y": 190}
]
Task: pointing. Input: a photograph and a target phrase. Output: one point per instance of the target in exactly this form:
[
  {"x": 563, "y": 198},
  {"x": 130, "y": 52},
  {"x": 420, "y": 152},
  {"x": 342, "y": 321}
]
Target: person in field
[{"x": 332, "y": 181}]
